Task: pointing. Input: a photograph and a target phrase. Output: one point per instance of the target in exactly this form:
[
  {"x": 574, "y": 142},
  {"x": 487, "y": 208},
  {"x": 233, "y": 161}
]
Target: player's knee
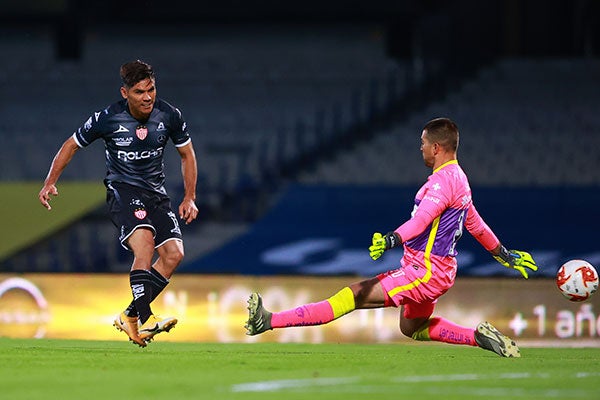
[
  {"x": 174, "y": 257},
  {"x": 407, "y": 331}
]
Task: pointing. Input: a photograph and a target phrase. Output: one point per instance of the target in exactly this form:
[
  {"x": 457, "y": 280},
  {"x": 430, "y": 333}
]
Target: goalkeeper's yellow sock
[{"x": 342, "y": 302}]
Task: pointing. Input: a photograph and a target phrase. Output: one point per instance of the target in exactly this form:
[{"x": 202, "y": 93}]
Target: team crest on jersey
[
  {"x": 141, "y": 132},
  {"x": 140, "y": 213}
]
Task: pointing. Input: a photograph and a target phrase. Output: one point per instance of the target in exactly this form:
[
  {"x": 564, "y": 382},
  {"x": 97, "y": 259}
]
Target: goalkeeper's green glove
[
  {"x": 381, "y": 243},
  {"x": 519, "y": 260}
]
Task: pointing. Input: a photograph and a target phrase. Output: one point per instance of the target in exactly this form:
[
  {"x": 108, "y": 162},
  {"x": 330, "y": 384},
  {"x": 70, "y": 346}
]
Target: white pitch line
[
  {"x": 476, "y": 377},
  {"x": 273, "y": 386},
  {"x": 462, "y": 377},
  {"x": 511, "y": 393},
  {"x": 278, "y": 385}
]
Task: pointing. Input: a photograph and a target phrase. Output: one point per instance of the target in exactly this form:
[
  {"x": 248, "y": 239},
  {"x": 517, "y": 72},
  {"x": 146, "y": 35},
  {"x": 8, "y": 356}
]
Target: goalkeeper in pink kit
[{"x": 443, "y": 208}]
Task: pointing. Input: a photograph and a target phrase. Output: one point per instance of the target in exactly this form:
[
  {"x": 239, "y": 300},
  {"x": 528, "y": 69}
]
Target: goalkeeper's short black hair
[{"x": 444, "y": 132}]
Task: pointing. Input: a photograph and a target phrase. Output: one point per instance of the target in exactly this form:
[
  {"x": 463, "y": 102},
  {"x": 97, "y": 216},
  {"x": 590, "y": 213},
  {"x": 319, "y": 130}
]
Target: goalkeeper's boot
[
  {"x": 489, "y": 338},
  {"x": 155, "y": 325},
  {"x": 129, "y": 325},
  {"x": 259, "y": 319}
]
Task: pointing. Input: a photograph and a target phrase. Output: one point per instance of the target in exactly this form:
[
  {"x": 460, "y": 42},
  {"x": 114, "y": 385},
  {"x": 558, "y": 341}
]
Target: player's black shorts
[{"x": 131, "y": 207}]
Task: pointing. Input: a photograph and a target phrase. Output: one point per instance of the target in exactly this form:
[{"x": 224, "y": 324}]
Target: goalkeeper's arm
[
  {"x": 381, "y": 243},
  {"x": 516, "y": 259},
  {"x": 408, "y": 230},
  {"x": 519, "y": 260}
]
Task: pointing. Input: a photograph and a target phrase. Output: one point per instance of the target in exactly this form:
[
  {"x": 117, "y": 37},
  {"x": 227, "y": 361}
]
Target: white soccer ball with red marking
[{"x": 577, "y": 280}]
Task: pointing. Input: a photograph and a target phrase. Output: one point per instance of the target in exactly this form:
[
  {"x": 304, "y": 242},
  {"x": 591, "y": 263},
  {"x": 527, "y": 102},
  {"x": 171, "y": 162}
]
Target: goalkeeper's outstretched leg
[
  {"x": 489, "y": 338},
  {"x": 259, "y": 319},
  {"x": 440, "y": 329}
]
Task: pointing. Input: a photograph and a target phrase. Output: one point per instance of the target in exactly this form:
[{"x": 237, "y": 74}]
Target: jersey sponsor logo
[
  {"x": 162, "y": 139},
  {"x": 139, "y": 155},
  {"x": 431, "y": 198},
  {"x": 141, "y": 132},
  {"x": 161, "y": 127},
  {"x": 121, "y": 129},
  {"x": 140, "y": 213},
  {"x": 121, "y": 141},
  {"x": 436, "y": 186}
]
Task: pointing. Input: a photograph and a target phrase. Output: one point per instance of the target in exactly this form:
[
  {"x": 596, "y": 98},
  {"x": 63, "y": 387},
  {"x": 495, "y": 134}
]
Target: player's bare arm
[
  {"x": 60, "y": 161},
  {"x": 188, "y": 211}
]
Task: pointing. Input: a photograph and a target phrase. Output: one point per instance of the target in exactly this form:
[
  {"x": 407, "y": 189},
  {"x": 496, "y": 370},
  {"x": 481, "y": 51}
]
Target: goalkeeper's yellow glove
[
  {"x": 381, "y": 243},
  {"x": 516, "y": 259}
]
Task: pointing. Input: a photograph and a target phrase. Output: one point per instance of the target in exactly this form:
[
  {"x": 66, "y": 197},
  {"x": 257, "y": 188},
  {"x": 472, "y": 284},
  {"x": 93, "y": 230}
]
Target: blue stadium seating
[
  {"x": 523, "y": 122},
  {"x": 257, "y": 98},
  {"x": 240, "y": 92}
]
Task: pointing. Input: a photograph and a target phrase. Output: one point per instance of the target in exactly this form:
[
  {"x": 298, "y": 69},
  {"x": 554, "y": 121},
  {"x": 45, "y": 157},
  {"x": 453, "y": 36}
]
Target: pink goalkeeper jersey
[{"x": 443, "y": 206}]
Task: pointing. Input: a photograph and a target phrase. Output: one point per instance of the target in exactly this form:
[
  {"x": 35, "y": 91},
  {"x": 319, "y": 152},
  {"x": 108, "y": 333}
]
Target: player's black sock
[
  {"x": 131, "y": 311},
  {"x": 159, "y": 282},
  {"x": 141, "y": 288}
]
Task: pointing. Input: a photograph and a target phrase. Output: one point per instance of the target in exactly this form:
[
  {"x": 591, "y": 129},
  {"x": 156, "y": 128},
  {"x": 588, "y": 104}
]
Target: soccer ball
[{"x": 577, "y": 280}]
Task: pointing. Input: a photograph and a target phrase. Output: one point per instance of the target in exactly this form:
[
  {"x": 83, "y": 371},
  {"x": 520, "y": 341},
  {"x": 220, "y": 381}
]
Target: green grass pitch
[{"x": 90, "y": 370}]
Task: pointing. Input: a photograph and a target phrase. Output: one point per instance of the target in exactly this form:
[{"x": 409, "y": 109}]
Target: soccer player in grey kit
[{"x": 135, "y": 131}]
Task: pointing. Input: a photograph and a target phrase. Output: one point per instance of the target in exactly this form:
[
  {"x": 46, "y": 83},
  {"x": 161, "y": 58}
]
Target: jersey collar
[{"x": 443, "y": 165}]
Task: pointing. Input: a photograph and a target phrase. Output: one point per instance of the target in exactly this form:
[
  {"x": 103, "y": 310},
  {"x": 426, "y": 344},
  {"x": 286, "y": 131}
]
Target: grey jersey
[{"x": 134, "y": 150}]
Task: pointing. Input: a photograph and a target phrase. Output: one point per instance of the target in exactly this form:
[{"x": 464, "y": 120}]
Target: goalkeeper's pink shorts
[{"x": 414, "y": 287}]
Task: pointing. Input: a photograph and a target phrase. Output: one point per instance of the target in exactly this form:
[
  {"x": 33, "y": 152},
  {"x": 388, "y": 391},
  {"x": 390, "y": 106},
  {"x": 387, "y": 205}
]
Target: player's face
[
  {"x": 140, "y": 98},
  {"x": 428, "y": 150}
]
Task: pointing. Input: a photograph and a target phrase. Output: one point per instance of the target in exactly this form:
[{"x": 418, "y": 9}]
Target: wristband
[{"x": 391, "y": 240}]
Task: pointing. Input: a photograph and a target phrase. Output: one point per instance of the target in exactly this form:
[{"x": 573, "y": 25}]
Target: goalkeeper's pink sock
[
  {"x": 442, "y": 330},
  {"x": 319, "y": 313},
  {"x": 308, "y": 314}
]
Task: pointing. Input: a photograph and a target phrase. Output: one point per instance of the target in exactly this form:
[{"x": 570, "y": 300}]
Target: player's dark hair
[
  {"x": 444, "y": 132},
  {"x": 134, "y": 72}
]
